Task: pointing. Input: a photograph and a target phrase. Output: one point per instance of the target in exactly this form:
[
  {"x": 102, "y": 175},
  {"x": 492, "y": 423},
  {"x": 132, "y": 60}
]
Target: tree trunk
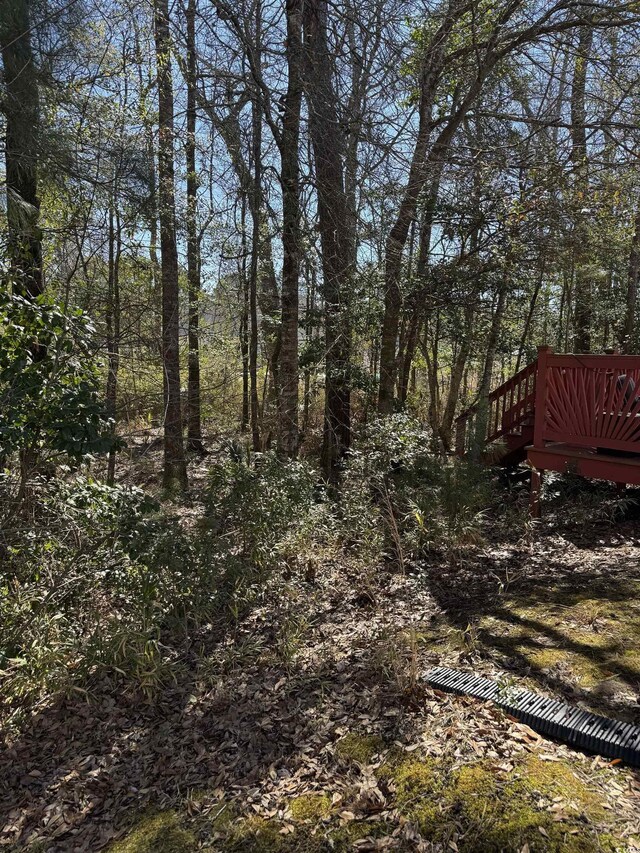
[
  {"x": 22, "y": 111},
  {"x": 418, "y": 301},
  {"x": 256, "y": 214},
  {"x": 244, "y": 320},
  {"x": 290, "y": 178},
  {"x": 145, "y": 113},
  {"x": 628, "y": 337},
  {"x": 431, "y": 360},
  {"x": 333, "y": 216},
  {"x": 487, "y": 373},
  {"x": 194, "y": 420},
  {"x": 582, "y": 287},
  {"x": 113, "y": 326},
  {"x": 530, "y": 313},
  {"x": 399, "y": 232},
  {"x": 457, "y": 372},
  {"x": 175, "y": 470}
]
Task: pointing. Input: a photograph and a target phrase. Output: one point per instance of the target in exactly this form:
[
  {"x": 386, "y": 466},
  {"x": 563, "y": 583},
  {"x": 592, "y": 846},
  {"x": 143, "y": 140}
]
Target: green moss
[
  {"x": 585, "y": 671},
  {"x": 493, "y": 810},
  {"x": 543, "y": 658},
  {"x": 221, "y": 817},
  {"x": 344, "y": 838},
  {"x": 255, "y": 835},
  {"x": 555, "y": 779},
  {"x": 311, "y": 807},
  {"x": 359, "y": 748},
  {"x": 629, "y": 659},
  {"x": 502, "y": 812},
  {"x": 159, "y": 833},
  {"x": 417, "y": 786},
  {"x": 587, "y": 639}
]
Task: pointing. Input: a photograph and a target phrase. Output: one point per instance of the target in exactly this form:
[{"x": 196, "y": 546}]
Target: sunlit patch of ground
[{"x": 588, "y": 640}]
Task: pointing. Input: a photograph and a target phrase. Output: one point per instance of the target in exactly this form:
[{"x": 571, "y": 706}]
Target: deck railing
[
  {"x": 506, "y": 409},
  {"x": 588, "y": 401},
  {"x": 583, "y": 400}
]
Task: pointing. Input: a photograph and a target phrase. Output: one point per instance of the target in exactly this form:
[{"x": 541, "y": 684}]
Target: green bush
[
  {"x": 254, "y": 510},
  {"x": 50, "y": 384},
  {"x": 400, "y": 498},
  {"x": 95, "y": 583}
]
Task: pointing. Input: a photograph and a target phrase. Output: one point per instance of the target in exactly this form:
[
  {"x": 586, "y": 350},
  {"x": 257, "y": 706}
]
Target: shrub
[
  {"x": 400, "y": 498},
  {"x": 255, "y": 510},
  {"x": 50, "y": 394},
  {"x": 94, "y": 583}
]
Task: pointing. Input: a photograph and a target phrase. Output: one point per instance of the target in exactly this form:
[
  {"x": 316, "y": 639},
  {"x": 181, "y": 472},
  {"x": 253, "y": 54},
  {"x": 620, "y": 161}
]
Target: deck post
[{"x": 539, "y": 412}]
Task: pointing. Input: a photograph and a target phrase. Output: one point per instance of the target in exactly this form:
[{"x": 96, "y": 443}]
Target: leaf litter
[{"x": 252, "y": 725}]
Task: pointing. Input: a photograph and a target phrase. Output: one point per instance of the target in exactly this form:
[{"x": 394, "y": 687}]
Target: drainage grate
[{"x": 547, "y": 716}]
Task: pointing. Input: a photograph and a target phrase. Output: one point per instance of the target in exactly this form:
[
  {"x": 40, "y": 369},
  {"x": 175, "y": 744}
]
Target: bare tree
[
  {"x": 290, "y": 179},
  {"x": 194, "y": 420},
  {"x": 175, "y": 469},
  {"x": 335, "y": 234},
  {"x": 582, "y": 287}
]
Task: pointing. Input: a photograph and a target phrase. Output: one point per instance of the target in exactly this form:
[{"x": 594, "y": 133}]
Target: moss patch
[
  {"x": 359, "y": 748},
  {"x": 491, "y": 810},
  {"x": 554, "y": 779},
  {"x": 254, "y": 834},
  {"x": 159, "y": 833},
  {"x": 344, "y": 838},
  {"x": 417, "y": 786},
  {"x": 311, "y": 807},
  {"x": 629, "y": 660},
  {"x": 483, "y": 807},
  {"x": 584, "y": 640}
]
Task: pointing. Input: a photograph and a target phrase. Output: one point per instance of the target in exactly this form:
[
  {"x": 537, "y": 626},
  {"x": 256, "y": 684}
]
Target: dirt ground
[{"x": 310, "y": 727}]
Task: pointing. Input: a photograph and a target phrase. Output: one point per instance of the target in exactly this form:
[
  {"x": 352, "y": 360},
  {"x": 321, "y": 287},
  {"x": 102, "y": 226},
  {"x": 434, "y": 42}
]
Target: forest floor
[{"x": 309, "y": 727}]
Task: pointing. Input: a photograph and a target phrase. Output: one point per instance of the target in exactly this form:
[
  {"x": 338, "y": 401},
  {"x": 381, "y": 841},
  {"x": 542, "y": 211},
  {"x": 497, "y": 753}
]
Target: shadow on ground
[{"x": 561, "y": 610}]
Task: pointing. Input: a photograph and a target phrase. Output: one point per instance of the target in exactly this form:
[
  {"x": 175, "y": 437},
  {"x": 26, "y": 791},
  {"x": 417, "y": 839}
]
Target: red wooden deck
[{"x": 578, "y": 413}]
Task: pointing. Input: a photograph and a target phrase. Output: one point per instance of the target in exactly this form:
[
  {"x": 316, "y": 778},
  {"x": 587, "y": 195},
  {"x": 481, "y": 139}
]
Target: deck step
[{"x": 591, "y": 732}]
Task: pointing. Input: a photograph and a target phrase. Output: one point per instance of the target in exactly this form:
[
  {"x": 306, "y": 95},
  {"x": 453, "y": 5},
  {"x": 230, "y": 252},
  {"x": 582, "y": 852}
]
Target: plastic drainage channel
[{"x": 583, "y": 729}]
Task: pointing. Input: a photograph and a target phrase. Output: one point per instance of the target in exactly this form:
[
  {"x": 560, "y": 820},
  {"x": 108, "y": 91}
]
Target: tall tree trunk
[
  {"x": 457, "y": 372},
  {"x": 425, "y": 154},
  {"x": 393, "y": 258},
  {"x": 418, "y": 302},
  {"x": 582, "y": 287},
  {"x": 290, "y": 177},
  {"x": 145, "y": 118},
  {"x": 194, "y": 421},
  {"x": 433, "y": 366},
  {"x": 628, "y": 337},
  {"x": 399, "y": 232},
  {"x": 310, "y": 333},
  {"x": 244, "y": 320},
  {"x": 175, "y": 469},
  {"x": 333, "y": 216},
  {"x": 113, "y": 325},
  {"x": 256, "y": 214},
  {"x": 269, "y": 309},
  {"x": 530, "y": 313},
  {"x": 487, "y": 372},
  {"x": 22, "y": 111}
]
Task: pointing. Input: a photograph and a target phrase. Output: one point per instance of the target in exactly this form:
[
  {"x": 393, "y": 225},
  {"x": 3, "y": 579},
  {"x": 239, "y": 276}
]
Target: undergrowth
[{"x": 100, "y": 580}]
